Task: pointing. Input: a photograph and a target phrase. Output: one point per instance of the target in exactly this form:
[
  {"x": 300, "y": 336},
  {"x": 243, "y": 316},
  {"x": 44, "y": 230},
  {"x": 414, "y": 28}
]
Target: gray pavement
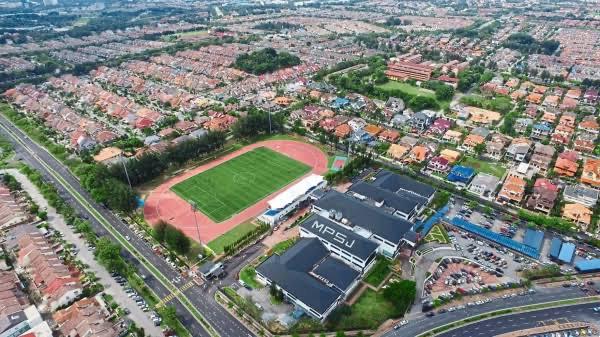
[
  {"x": 526, "y": 320},
  {"x": 418, "y": 324}
]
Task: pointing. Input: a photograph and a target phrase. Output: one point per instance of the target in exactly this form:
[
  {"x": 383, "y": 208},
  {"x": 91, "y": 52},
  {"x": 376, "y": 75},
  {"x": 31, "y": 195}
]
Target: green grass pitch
[{"x": 234, "y": 185}]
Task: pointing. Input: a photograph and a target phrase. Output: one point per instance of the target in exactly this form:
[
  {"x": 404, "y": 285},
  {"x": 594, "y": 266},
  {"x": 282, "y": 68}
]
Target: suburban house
[
  {"x": 438, "y": 165},
  {"x": 452, "y": 137},
  {"x": 420, "y": 121},
  {"x": 397, "y": 151},
  {"x": 581, "y": 194},
  {"x": 542, "y": 157},
  {"x": 471, "y": 142},
  {"x": 484, "y": 185},
  {"x": 451, "y": 155},
  {"x": 417, "y": 154},
  {"x": 585, "y": 142},
  {"x": 591, "y": 173},
  {"x": 519, "y": 149},
  {"x": 543, "y": 197},
  {"x": 85, "y": 317},
  {"x": 566, "y": 164},
  {"x": 579, "y": 214},
  {"x": 513, "y": 190},
  {"x": 461, "y": 175},
  {"x": 541, "y": 130}
]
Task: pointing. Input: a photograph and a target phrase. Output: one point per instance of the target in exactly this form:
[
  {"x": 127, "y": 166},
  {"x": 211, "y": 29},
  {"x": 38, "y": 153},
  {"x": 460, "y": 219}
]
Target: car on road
[
  {"x": 430, "y": 314},
  {"x": 596, "y": 309}
]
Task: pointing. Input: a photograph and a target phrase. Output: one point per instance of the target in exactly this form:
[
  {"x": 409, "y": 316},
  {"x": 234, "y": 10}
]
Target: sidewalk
[{"x": 57, "y": 222}]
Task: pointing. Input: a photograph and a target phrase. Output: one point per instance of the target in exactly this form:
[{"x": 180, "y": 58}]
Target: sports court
[
  {"x": 163, "y": 204},
  {"x": 234, "y": 185},
  {"x": 338, "y": 163}
]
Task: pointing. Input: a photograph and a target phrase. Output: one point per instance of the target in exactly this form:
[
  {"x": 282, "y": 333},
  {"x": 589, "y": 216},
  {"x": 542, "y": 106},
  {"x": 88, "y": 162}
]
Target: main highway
[
  {"x": 195, "y": 307},
  {"x": 526, "y": 320}
]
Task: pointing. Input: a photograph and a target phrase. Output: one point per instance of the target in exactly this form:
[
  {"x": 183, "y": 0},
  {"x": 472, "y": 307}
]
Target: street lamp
[{"x": 194, "y": 209}]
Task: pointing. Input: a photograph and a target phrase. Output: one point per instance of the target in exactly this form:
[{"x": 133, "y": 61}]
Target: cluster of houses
[
  {"x": 96, "y": 53},
  {"x": 78, "y": 131},
  {"x": 41, "y": 275}
]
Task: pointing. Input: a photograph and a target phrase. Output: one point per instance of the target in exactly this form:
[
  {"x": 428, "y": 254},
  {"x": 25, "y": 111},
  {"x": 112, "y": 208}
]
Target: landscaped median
[
  {"x": 508, "y": 311},
  {"x": 156, "y": 273}
]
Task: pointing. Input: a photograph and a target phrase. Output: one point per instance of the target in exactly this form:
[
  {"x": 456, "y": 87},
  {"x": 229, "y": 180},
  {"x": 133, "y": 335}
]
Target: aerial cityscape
[{"x": 299, "y": 168}]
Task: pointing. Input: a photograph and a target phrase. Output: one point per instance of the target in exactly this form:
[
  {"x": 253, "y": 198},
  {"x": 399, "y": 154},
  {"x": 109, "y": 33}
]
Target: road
[
  {"x": 421, "y": 323},
  {"x": 68, "y": 186},
  {"x": 526, "y": 320}
]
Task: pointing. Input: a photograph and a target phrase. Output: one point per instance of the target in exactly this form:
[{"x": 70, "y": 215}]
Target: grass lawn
[
  {"x": 248, "y": 275},
  {"x": 282, "y": 246},
  {"x": 236, "y": 233},
  {"x": 234, "y": 185},
  {"x": 378, "y": 273},
  {"x": 438, "y": 234},
  {"x": 369, "y": 311},
  {"x": 492, "y": 168},
  {"x": 407, "y": 88}
]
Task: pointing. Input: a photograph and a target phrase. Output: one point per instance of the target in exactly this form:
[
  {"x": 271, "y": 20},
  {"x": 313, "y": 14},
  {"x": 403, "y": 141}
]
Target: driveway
[{"x": 110, "y": 286}]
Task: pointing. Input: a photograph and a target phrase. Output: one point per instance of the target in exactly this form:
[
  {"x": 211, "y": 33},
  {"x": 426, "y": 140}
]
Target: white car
[{"x": 403, "y": 322}]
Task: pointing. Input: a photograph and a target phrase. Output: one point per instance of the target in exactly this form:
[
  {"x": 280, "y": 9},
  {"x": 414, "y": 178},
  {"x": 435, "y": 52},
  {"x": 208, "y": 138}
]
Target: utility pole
[
  {"x": 269, "y": 112},
  {"x": 194, "y": 209},
  {"x": 125, "y": 169}
]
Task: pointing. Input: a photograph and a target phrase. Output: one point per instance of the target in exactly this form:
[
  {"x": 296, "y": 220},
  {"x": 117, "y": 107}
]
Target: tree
[
  {"x": 444, "y": 92},
  {"x": 109, "y": 255},
  {"x": 419, "y": 103},
  {"x": 265, "y": 61},
  {"x": 401, "y": 294}
]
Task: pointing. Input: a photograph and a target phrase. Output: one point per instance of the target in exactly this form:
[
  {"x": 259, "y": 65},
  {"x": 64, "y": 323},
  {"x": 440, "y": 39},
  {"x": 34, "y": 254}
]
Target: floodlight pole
[
  {"x": 125, "y": 169},
  {"x": 194, "y": 209}
]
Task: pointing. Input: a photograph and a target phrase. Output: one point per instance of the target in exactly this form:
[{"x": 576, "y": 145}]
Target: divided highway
[{"x": 194, "y": 307}]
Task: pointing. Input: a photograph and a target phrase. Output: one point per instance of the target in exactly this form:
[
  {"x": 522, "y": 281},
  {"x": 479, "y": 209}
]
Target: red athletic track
[{"x": 163, "y": 204}]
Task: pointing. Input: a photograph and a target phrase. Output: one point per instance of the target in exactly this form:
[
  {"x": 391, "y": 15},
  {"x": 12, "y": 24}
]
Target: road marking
[{"x": 174, "y": 294}]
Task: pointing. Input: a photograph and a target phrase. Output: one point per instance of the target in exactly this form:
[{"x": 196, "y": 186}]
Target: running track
[{"x": 163, "y": 204}]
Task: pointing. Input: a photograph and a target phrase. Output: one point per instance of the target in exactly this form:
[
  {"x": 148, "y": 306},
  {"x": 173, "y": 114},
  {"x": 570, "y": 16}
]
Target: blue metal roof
[
  {"x": 534, "y": 238},
  {"x": 555, "y": 248},
  {"x": 566, "y": 252},
  {"x": 435, "y": 218},
  {"x": 588, "y": 266},
  {"x": 495, "y": 237},
  {"x": 461, "y": 174}
]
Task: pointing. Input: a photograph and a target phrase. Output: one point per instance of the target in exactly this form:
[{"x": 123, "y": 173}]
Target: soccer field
[{"x": 240, "y": 182}]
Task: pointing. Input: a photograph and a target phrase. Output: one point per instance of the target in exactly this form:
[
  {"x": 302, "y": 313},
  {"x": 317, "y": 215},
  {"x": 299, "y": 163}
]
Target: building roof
[
  {"x": 567, "y": 251},
  {"x": 395, "y": 182},
  {"x": 488, "y": 180},
  {"x": 333, "y": 233},
  {"x": 297, "y": 190},
  {"x": 290, "y": 271},
  {"x": 588, "y": 266},
  {"x": 534, "y": 238},
  {"x": 400, "y": 201},
  {"x": 337, "y": 272},
  {"x": 107, "y": 153},
  {"x": 373, "y": 219},
  {"x": 555, "y": 246}
]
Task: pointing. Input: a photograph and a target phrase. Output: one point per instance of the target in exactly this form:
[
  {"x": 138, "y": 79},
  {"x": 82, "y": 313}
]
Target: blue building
[
  {"x": 555, "y": 246},
  {"x": 567, "y": 251},
  {"x": 588, "y": 266},
  {"x": 339, "y": 103},
  {"x": 534, "y": 239},
  {"x": 461, "y": 174}
]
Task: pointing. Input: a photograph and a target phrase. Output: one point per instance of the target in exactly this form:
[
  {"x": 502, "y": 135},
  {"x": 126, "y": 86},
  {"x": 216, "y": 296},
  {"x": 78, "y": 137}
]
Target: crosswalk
[{"x": 174, "y": 294}]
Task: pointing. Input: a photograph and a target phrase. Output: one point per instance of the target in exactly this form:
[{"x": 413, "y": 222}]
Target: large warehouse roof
[
  {"x": 588, "y": 266},
  {"x": 295, "y": 191}
]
